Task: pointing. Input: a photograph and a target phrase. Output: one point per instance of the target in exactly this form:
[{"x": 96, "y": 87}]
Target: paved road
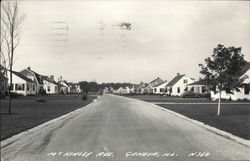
[{"x": 119, "y": 128}]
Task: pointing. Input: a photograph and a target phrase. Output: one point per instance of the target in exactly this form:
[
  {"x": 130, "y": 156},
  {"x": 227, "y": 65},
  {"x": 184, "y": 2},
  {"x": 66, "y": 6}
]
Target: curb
[
  {"x": 15, "y": 138},
  {"x": 210, "y": 128}
]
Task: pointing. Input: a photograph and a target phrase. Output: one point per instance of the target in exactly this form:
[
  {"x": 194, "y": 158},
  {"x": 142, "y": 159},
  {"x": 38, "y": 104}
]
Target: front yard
[
  {"x": 234, "y": 118},
  {"x": 28, "y": 113}
]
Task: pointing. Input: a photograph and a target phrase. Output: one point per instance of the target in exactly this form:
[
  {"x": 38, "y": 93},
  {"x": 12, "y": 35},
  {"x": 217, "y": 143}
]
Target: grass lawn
[
  {"x": 234, "y": 118},
  {"x": 27, "y": 113},
  {"x": 176, "y": 99}
]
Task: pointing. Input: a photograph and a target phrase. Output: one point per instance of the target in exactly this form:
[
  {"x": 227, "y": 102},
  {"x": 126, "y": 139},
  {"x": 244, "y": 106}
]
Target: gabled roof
[
  {"x": 49, "y": 80},
  {"x": 156, "y": 80},
  {"x": 37, "y": 76},
  {"x": 175, "y": 80},
  {"x": 20, "y": 75},
  {"x": 200, "y": 82},
  {"x": 246, "y": 67},
  {"x": 160, "y": 84}
]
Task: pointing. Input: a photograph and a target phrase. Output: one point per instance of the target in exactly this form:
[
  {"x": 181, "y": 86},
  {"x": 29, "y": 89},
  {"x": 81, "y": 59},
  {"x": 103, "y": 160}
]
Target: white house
[
  {"x": 34, "y": 77},
  {"x": 178, "y": 84},
  {"x": 141, "y": 88},
  {"x": 22, "y": 85},
  {"x": 152, "y": 84},
  {"x": 244, "y": 90},
  {"x": 64, "y": 87},
  {"x": 49, "y": 85},
  {"x": 197, "y": 87},
  {"x": 160, "y": 88}
]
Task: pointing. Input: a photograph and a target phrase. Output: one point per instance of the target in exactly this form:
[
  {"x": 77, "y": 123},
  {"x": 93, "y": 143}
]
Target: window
[
  {"x": 203, "y": 89},
  {"x": 34, "y": 87},
  {"x": 28, "y": 87},
  {"x": 162, "y": 89},
  {"x": 185, "y": 81},
  {"x": 246, "y": 89},
  {"x": 155, "y": 89},
  {"x": 19, "y": 87},
  {"x": 178, "y": 90},
  {"x": 48, "y": 88}
]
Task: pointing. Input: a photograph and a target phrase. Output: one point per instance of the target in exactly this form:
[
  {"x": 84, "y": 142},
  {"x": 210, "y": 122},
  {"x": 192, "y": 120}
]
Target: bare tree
[{"x": 11, "y": 21}]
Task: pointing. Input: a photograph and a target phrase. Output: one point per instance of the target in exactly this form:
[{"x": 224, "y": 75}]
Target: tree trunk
[
  {"x": 10, "y": 90},
  {"x": 218, "y": 112}
]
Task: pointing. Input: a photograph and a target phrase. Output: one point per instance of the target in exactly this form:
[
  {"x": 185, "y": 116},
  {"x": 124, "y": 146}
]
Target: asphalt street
[{"x": 118, "y": 128}]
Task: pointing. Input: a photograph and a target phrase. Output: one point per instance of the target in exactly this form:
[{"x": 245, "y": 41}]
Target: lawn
[
  {"x": 176, "y": 99},
  {"x": 27, "y": 113},
  {"x": 234, "y": 118}
]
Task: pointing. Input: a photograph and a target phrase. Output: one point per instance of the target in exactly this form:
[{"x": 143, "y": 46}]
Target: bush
[
  {"x": 84, "y": 97},
  {"x": 40, "y": 100}
]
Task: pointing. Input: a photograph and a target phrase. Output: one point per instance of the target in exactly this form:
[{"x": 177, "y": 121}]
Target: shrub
[
  {"x": 40, "y": 100},
  {"x": 84, "y": 97}
]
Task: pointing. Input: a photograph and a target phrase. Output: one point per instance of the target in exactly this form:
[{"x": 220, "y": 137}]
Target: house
[
  {"x": 3, "y": 85},
  {"x": 22, "y": 85},
  {"x": 34, "y": 77},
  {"x": 141, "y": 88},
  {"x": 178, "y": 84},
  {"x": 152, "y": 84},
  {"x": 160, "y": 89},
  {"x": 49, "y": 85},
  {"x": 197, "y": 87},
  {"x": 64, "y": 88},
  {"x": 244, "y": 89},
  {"x": 74, "y": 87}
]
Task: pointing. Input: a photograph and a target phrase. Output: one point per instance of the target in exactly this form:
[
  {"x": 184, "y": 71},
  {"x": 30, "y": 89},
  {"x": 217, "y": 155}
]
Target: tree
[
  {"x": 223, "y": 70},
  {"x": 11, "y": 21}
]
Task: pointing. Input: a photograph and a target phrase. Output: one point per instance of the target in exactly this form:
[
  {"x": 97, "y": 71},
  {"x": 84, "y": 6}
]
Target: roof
[
  {"x": 160, "y": 84},
  {"x": 49, "y": 80},
  {"x": 175, "y": 80},
  {"x": 246, "y": 67},
  {"x": 38, "y": 76},
  {"x": 20, "y": 75},
  {"x": 200, "y": 82}
]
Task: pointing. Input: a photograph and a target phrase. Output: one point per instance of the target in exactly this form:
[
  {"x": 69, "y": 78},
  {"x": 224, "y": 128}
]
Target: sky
[{"x": 81, "y": 40}]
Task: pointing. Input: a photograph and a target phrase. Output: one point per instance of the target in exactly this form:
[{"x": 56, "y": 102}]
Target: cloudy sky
[{"x": 81, "y": 40}]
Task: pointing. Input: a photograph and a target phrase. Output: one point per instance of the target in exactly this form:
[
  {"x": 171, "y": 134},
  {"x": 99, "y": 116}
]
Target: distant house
[
  {"x": 244, "y": 89},
  {"x": 197, "y": 87},
  {"x": 74, "y": 87},
  {"x": 125, "y": 90},
  {"x": 141, "y": 88},
  {"x": 3, "y": 85},
  {"x": 160, "y": 89},
  {"x": 34, "y": 77},
  {"x": 152, "y": 84},
  {"x": 50, "y": 85},
  {"x": 178, "y": 84},
  {"x": 64, "y": 87},
  {"x": 22, "y": 85}
]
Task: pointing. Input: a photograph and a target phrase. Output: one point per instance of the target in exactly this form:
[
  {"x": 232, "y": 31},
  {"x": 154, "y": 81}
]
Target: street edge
[
  {"x": 20, "y": 135},
  {"x": 210, "y": 128}
]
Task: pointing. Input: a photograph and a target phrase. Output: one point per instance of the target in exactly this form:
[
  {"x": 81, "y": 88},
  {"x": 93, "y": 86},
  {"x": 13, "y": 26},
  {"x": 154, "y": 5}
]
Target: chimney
[
  {"x": 178, "y": 74},
  {"x": 28, "y": 68},
  {"x": 52, "y": 77}
]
